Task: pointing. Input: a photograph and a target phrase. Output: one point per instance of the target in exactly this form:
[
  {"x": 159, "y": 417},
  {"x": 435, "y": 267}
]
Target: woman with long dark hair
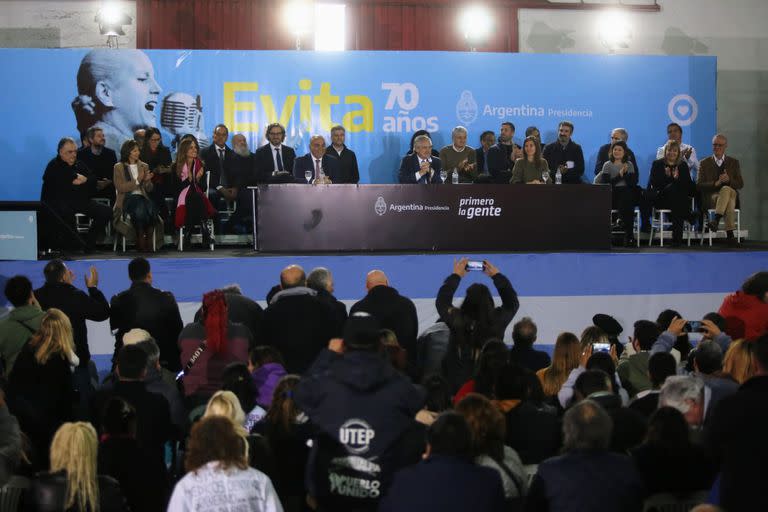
[
  {"x": 287, "y": 429},
  {"x": 192, "y": 204},
  {"x": 157, "y": 156},
  {"x": 532, "y": 168},
  {"x": 133, "y": 182},
  {"x": 474, "y": 322},
  {"x": 621, "y": 175}
]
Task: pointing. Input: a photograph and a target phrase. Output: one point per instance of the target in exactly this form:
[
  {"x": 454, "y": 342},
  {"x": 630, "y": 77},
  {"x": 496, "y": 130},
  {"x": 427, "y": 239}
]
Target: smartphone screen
[
  {"x": 601, "y": 347},
  {"x": 475, "y": 266}
]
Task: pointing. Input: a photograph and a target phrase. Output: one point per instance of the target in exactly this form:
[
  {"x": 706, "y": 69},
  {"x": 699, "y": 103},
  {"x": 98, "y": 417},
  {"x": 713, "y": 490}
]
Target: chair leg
[{"x": 661, "y": 229}]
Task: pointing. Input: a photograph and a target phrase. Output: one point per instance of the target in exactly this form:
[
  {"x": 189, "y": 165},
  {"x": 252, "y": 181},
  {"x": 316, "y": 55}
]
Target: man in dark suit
[
  {"x": 274, "y": 159},
  {"x": 59, "y": 292},
  {"x": 320, "y": 279},
  {"x": 487, "y": 139},
  {"x": 719, "y": 181},
  {"x": 566, "y": 155},
  {"x": 603, "y": 154},
  {"x": 100, "y": 161},
  {"x": 222, "y": 163},
  {"x": 421, "y": 166},
  {"x": 146, "y": 307},
  {"x": 296, "y": 322},
  {"x": 323, "y": 168},
  {"x": 392, "y": 310},
  {"x": 502, "y": 155},
  {"x": 348, "y": 172}
]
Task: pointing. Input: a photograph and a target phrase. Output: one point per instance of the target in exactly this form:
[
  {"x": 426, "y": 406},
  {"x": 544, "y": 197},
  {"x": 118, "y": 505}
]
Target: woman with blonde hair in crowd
[
  {"x": 737, "y": 362},
  {"x": 72, "y": 484},
  {"x": 257, "y": 451},
  {"x": 218, "y": 475},
  {"x": 40, "y": 388},
  {"x": 564, "y": 359}
]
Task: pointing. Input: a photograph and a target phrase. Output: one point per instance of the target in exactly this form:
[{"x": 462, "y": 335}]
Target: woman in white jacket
[{"x": 219, "y": 477}]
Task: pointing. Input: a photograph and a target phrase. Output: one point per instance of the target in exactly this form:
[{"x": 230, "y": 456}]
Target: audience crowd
[
  {"x": 148, "y": 191},
  {"x": 303, "y": 406}
]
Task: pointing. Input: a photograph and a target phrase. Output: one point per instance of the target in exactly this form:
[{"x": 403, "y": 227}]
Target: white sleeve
[
  {"x": 271, "y": 500},
  {"x": 693, "y": 162},
  {"x": 418, "y": 176},
  {"x": 178, "y": 501},
  {"x": 566, "y": 392}
]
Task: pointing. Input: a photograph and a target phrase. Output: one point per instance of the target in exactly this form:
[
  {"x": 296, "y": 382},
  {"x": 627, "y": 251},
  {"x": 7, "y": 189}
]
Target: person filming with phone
[{"x": 476, "y": 320}]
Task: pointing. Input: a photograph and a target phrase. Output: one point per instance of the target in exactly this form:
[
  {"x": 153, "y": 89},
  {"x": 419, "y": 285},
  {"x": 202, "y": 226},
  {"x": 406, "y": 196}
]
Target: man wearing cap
[{"x": 363, "y": 411}]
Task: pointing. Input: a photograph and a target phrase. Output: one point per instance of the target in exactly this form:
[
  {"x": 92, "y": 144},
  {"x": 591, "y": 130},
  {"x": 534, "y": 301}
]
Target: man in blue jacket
[
  {"x": 363, "y": 411},
  {"x": 447, "y": 479}
]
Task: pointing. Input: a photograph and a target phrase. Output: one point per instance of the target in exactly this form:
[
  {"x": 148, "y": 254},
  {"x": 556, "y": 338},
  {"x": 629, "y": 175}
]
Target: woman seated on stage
[
  {"x": 158, "y": 159},
  {"x": 619, "y": 172},
  {"x": 133, "y": 182},
  {"x": 192, "y": 204},
  {"x": 532, "y": 169},
  {"x": 670, "y": 187}
]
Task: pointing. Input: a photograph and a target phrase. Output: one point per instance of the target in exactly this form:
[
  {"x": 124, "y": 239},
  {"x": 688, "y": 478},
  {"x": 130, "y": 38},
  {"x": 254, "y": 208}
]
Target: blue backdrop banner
[{"x": 380, "y": 97}]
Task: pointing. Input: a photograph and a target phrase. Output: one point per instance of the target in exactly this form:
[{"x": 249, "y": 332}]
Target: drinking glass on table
[
  {"x": 443, "y": 175},
  {"x": 544, "y": 176},
  {"x": 308, "y": 176}
]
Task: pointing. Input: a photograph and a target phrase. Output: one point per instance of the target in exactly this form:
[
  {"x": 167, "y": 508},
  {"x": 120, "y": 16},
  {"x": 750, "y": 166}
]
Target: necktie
[
  {"x": 485, "y": 163},
  {"x": 221, "y": 167},
  {"x": 279, "y": 160},
  {"x": 317, "y": 168}
]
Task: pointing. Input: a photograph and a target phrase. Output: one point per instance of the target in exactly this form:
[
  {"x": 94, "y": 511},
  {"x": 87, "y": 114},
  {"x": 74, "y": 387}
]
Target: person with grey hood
[{"x": 296, "y": 322}]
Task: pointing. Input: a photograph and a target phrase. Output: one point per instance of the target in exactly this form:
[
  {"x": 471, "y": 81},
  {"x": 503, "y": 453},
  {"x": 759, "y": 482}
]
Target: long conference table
[{"x": 474, "y": 217}]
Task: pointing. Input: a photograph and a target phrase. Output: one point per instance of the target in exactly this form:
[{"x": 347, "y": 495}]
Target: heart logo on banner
[{"x": 683, "y": 110}]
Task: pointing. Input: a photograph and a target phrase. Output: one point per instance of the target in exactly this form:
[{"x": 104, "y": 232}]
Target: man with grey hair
[
  {"x": 459, "y": 157},
  {"x": 320, "y": 279},
  {"x": 420, "y": 167},
  {"x": 688, "y": 395},
  {"x": 719, "y": 181},
  {"x": 587, "y": 476},
  {"x": 603, "y": 154},
  {"x": 348, "y": 171},
  {"x": 317, "y": 166}
]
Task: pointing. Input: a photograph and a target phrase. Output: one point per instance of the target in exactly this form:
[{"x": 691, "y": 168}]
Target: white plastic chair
[{"x": 710, "y": 217}]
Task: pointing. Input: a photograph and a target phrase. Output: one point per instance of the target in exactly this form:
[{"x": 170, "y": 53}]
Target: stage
[{"x": 560, "y": 291}]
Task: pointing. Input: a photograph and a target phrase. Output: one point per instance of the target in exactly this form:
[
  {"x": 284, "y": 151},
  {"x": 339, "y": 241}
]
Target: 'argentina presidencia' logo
[
  {"x": 466, "y": 108},
  {"x": 380, "y": 207},
  {"x": 683, "y": 109}
]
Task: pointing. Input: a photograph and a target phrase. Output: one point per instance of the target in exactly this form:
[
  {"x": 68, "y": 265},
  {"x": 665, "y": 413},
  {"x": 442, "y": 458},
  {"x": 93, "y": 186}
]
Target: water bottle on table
[
  {"x": 454, "y": 177},
  {"x": 558, "y": 177}
]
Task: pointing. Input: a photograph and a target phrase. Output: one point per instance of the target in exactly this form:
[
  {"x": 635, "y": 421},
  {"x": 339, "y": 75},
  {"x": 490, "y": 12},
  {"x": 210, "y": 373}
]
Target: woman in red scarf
[{"x": 192, "y": 204}]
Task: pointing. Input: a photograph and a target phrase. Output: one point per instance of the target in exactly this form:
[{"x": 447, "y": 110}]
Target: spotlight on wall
[
  {"x": 298, "y": 17},
  {"x": 476, "y": 23},
  {"x": 111, "y": 18},
  {"x": 614, "y": 31}
]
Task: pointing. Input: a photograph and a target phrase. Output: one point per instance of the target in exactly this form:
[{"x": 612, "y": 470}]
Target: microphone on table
[{"x": 181, "y": 114}]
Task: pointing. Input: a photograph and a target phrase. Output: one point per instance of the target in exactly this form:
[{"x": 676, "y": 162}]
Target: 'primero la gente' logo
[{"x": 474, "y": 207}]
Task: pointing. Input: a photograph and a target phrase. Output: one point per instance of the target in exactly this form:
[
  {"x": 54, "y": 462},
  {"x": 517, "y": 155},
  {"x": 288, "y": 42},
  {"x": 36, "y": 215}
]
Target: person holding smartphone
[{"x": 475, "y": 321}]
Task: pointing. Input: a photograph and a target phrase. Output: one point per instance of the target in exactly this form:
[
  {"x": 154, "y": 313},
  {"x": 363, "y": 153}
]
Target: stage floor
[{"x": 560, "y": 291}]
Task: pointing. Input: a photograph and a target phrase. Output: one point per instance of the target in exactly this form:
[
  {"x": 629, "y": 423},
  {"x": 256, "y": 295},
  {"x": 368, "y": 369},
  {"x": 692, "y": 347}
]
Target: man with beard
[
  {"x": 565, "y": 155},
  {"x": 502, "y": 155},
  {"x": 117, "y": 92},
  {"x": 274, "y": 160},
  {"x": 100, "y": 161},
  {"x": 243, "y": 176}
]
